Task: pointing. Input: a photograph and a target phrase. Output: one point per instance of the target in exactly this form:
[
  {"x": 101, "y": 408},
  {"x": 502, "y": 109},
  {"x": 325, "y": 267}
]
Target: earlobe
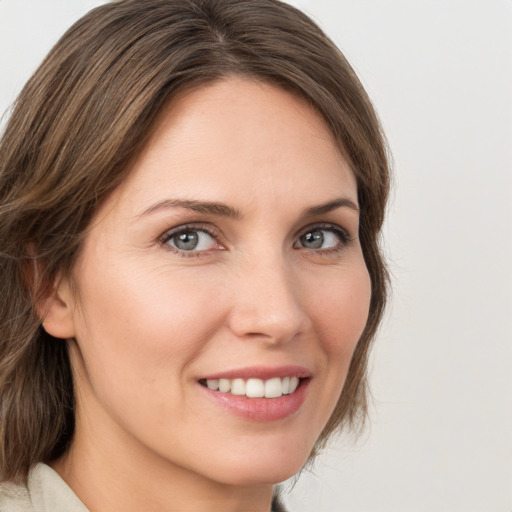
[{"x": 56, "y": 311}]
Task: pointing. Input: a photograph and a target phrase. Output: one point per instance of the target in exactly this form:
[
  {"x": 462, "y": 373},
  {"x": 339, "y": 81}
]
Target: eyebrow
[
  {"x": 223, "y": 210},
  {"x": 212, "y": 208},
  {"x": 340, "y": 202}
]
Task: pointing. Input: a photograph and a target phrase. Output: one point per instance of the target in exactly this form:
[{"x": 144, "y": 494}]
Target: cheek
[
  {"x": 149, "y": 324},
  {"x": 340, "y": 314},
  {"x": 340, "y": 311},
  {"x": 138, "y": 339}
]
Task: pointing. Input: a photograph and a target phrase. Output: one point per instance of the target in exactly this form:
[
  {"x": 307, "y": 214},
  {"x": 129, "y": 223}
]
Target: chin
[{"x": 265, "y": 466}]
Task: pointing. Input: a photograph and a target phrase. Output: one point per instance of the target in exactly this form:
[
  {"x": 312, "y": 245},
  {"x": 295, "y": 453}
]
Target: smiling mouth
[{"x": 254, "y": 388}]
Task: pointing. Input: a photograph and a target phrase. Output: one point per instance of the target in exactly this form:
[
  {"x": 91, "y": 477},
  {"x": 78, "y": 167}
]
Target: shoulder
[
  {"x": 44, "y": 491},
  {"x": 14, "y": 498}
]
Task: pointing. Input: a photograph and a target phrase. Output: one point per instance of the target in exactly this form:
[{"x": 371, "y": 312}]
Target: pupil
[
  {"x": 186, "y": 241},
  {"x": 313, "y": 239}
]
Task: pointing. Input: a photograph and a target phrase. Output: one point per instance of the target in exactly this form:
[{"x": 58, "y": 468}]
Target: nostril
[{"x": 275, "y": 325}]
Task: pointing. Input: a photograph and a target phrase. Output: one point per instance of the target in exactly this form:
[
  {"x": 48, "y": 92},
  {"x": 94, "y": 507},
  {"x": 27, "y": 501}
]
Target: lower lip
[{"x": 261, "y": 409}]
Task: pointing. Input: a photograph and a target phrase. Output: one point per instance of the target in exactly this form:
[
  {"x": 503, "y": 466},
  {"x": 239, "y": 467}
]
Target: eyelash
[
  {"x": 204, "y": 228},
  {"x": 344, "y": 238}
]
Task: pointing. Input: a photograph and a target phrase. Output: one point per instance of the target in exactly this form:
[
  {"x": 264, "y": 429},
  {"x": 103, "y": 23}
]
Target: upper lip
[{"x": 261, "y": 372}]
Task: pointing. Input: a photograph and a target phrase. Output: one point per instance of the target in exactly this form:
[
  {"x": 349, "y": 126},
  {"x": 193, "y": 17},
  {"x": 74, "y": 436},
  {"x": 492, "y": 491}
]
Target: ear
[{"x": 56, "y": 309}]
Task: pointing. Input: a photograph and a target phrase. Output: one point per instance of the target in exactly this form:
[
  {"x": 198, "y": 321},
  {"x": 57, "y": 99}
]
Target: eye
[
  {"x": 323, "y": 238},
  {"x": 190, "y": 239}
]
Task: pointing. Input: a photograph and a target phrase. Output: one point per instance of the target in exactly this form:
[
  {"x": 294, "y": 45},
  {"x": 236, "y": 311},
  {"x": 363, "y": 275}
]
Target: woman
[{"x": 191, "y": 197}]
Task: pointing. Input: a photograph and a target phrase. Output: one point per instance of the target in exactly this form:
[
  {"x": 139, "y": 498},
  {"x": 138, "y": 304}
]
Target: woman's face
[{"x": 229, "y": 257}]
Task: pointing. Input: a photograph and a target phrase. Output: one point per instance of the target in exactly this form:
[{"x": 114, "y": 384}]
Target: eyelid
[
  {"x": 209, "y": 229},
  {"x": 343, "y": 233},
  {"x": 216, "y": 234}
]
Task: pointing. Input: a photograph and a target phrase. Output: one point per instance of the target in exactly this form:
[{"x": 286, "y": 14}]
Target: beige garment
[{"x": 45, "y": 491}]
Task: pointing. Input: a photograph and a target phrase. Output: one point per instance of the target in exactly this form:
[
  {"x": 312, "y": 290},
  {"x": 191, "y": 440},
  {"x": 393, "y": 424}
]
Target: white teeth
[
  {"x": 273, "y": 388},
  {"x": 238, "y": 387},
  {"x": 224, "y": 385},
  {"x": 213, "y": 384},
  {"x": 255, "y": 388},
  {"x": 294, "y": 382}
]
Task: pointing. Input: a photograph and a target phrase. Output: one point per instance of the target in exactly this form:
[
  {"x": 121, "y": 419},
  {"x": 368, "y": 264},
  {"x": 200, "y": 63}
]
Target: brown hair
[{"x": 86, "y": 112}]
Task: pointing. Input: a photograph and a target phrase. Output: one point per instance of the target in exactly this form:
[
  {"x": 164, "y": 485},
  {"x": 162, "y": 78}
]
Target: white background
[{"x": 440, "y": 74}]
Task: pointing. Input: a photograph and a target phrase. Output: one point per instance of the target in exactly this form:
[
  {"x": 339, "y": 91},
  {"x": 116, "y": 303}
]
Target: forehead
[{"x": 236, "y": 136}]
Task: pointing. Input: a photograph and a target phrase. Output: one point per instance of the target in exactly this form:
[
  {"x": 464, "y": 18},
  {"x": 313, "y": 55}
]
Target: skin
[{"x": 145, "y": 321}]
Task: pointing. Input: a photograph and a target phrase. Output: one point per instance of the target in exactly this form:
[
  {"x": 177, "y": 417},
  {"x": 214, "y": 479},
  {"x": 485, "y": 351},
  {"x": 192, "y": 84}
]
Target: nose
[{"x": 267, "y": 302}]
